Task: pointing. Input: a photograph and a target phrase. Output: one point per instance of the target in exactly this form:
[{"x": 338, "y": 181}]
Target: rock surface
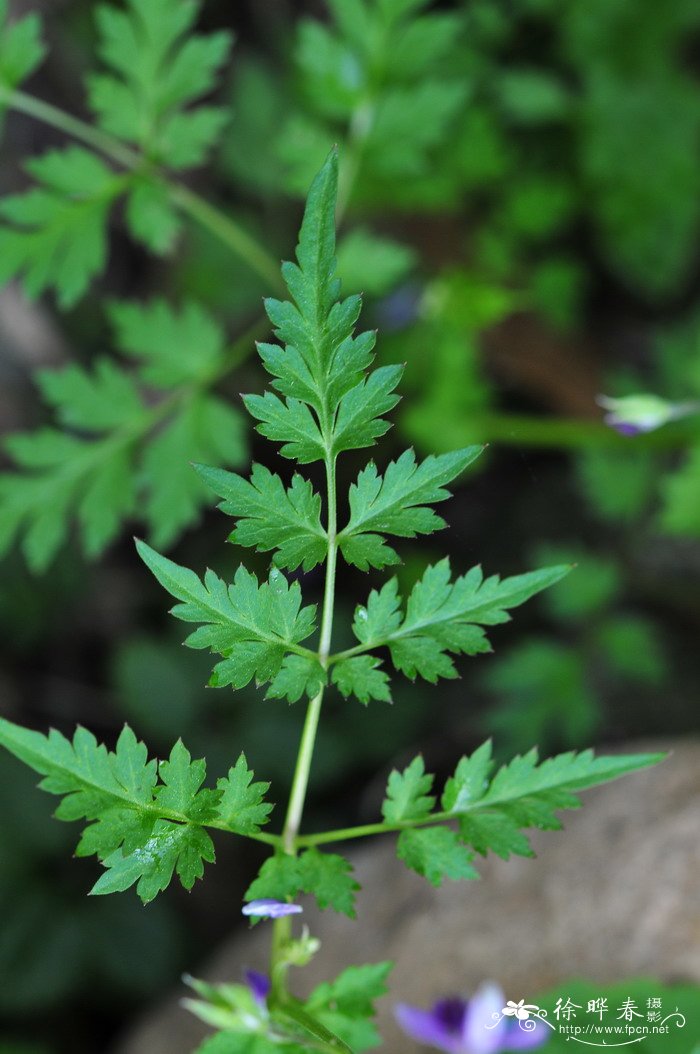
[{"x": 615, "y": 895}]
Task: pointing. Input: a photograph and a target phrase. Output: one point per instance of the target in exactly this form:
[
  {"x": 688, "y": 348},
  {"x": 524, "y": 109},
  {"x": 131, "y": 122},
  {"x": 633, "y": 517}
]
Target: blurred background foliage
[{"x": 520, "y": 204}]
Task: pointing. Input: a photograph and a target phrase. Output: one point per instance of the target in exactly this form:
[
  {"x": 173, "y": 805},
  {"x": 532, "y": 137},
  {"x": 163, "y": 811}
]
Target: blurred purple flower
[
  {"x": 632, "y": 415},
  {"x": 259, "y": 985},
  {"x": 400, "y": 308},
  {"x": 460, "y": 1026},
  {"x": 271, "y": 909}
]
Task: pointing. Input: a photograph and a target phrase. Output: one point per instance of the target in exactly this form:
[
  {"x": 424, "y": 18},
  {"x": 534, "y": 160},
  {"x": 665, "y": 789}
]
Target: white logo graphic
[{"x": 628, "y": 1024}]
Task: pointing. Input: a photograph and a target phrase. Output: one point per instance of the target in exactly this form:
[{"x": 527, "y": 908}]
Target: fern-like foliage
[
  {"x": 491, "y": 810},
  {"x": 114, "y": 449},
  {"x": 256, "y": 627},
  {"x": 55, "y": 235},
  {"x": 380, "y": 71},
  {"x": 147, "y": 819},
  {"x": 441, "y": 617},
  {"x": 157, "y": 68},
  {"x": 327, "y": 399}
]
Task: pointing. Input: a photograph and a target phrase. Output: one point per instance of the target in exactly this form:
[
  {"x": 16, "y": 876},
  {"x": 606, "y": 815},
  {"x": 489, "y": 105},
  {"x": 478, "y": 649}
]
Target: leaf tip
[{"x": 143, "y": 549}]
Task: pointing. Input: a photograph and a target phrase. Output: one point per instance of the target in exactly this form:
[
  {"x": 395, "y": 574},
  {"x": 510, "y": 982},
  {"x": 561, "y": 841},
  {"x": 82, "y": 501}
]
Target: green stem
[
  {"x": 259, "y": 836},
  {"x": 300, "y": 782},
  {"x": 301, "y": 774},
  {"x": 345, "y": 834},
  {"x": 208, "y": 216},
  {"x": 329, "y": 593},
  {"x": 72, "y": 126},
  {"x": 359, "y": 649}
]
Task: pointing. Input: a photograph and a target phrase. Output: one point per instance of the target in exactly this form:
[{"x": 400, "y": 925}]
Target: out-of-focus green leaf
[
  {"x": 368, "y": 263},
  {"x": 157, "y": 69}
]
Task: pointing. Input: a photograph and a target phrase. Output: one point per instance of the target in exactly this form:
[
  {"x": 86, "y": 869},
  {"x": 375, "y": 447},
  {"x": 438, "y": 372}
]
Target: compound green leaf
[
  {"x": 470, "y": 781},
  {"x": 421, "y": 92},
  {"x": 525, "y": 793},
  {"x": 289, "y": 422},
  {"x": 129, "y": 455},
  {"x": 424, "y": 42},
  {"x": 397, "y": 504},
  {"x": 182, "y": 780},
  {"x": 110, "y": 497},
  {"x": 204, "y": 428},
  {"x": 91, "y": 474},
  {"x": 444, "y": 616},
  {"x": 368, "y": 550},
  {"x": 157, "y": 69},
  {"x": 143, "y": 830},
  {"x": 96, "y": 401},
  {"x": 382, "y": 615},
  {"x": 492, "y": 813},
  {"x": 359, "y": 420},
  {"x": 55, "y": 234},
  {"x": 410, "y": 122},
  {"x": 329, "y": 877},
  {"x": 253, "y": 626},
  {"x": 497, "y": 832},
  {"x": 354, "y": 990},
  {"x": 271, "y": 516},
  {"x": 330, "y": 404}
]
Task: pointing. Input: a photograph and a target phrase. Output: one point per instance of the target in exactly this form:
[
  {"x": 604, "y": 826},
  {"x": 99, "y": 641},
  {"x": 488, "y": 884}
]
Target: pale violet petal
[{"x": 426, "y": 1027}]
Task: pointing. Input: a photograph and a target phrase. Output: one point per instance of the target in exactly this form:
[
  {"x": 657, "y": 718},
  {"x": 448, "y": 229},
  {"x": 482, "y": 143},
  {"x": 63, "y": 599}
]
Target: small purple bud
[
  {"x": 632, "y": 415},
  {"x": 271, "y": 909},
  {"x": 624, "y": 428},
  {"x": 259, "y": 985}
]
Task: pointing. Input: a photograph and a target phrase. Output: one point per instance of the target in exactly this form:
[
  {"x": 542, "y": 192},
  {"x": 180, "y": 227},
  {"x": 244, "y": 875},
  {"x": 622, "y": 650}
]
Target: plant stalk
[
  {"x": 308, "y": 738},
  {"x": 300, "y": 781}
]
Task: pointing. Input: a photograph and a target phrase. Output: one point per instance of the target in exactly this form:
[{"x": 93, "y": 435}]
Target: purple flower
[
  {"x": 634, "y": 414},
  {"x": 474, "y": 1026},
  {"x": 400, "y": 308},
  {"x": 271, "y": 909},
  {"x": 259, "y": 985}
]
